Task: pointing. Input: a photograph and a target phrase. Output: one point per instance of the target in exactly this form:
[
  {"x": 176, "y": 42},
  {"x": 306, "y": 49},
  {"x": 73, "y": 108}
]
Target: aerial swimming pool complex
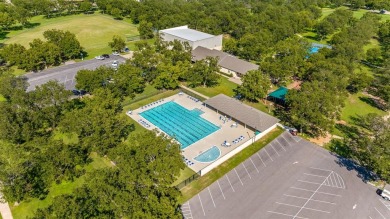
[
  {"x": 209, "y": 132},
  {"x": 186, "y": 126}
]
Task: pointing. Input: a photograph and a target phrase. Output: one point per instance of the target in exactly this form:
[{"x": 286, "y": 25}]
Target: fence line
[{"x": 188, "y": 180}]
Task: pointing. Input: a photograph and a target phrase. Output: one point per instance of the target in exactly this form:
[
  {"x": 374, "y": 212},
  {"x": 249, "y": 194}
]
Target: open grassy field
[
  {"x": 93, "y": 31},
  {"x": 356, "y": 106},
  {"x": 27, "y": 209},
  {"x": 198, "y": 185},
  {"x": 2, "y": 98}
]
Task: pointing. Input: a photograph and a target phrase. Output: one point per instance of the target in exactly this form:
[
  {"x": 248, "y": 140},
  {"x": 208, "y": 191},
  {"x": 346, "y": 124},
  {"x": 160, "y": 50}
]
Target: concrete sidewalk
[{"x": 5, "y": 211}]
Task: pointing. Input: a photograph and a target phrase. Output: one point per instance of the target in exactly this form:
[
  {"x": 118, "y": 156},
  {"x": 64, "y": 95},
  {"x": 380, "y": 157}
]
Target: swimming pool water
[
  {"x": 186, "y": 126},
  {"x": 314, "y": 50},
  {"x": 210, "y": 155}
]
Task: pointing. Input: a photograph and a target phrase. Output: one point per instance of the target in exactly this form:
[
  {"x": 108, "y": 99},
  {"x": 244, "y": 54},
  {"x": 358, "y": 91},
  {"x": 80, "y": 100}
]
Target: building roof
[
  {"x": 225, "y": 60},
  {"x": 188, "y": 34},
  {"x": 280, "y": 93},
  {"x": 242, "y": 112}
]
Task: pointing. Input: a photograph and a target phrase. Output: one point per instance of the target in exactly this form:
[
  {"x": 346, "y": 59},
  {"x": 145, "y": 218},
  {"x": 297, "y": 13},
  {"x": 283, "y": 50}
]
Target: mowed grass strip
[
  {"x": 93, "y": 31},
  {"x": 201, "y": 183}
]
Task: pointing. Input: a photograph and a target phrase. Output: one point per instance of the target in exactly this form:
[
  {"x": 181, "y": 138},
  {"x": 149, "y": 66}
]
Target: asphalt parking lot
[
  {"x": 289, "y": 178},
  {"x": 66, "y": 74}
]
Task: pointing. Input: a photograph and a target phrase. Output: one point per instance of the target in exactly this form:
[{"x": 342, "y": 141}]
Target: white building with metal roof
[{"x": 193, "y": 37}]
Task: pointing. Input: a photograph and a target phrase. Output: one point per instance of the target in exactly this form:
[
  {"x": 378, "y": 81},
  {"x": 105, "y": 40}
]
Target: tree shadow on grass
[
  {"x": 372, "y": 102},
  {"x": 31, "y": 25},
  {"x": 3, "y": 35}
]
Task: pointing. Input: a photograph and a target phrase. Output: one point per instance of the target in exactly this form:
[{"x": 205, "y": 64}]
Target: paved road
[
  {"x": 289, "y": 178},
  {"x": 66, "y": 74}
]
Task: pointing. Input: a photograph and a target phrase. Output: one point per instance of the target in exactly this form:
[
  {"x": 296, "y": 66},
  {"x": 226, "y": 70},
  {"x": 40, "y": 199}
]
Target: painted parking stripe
[
  {"x": 315, "y": 200},
  {"x": 309, "y": 174},
  {"x": 278, "y": 143},
  {"x": 380, "y": 213},
  {"x": 288, "y": 215},
  {"x": 238, "y": 176},
  {"x": 254, "y": 165},
  {"x": 281, "y": 143},
  {"x": 208, "y": 188},
  {"x": 201, "y": 205},
  {"x": 268, "y": 154},
  {"x": 227, "y": 177},
  {"x": 304, "y": 181},
  {"x": 314, "y": 191},
  {"x": 302, "y": 207},
  {"x": 286, "y": 140},
  {"x": 275, "y": 150},
  {"x": 261, "y": 160},
  {"x": 316, "y": 168},
  {"x": 246, "y": 170},
  {"x": 223, "y": 195}
]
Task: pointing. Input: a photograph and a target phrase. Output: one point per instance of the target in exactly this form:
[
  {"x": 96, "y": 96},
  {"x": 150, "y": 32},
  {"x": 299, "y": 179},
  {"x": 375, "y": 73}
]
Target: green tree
[
  {"x": 145, "y": 30},
  {"x": 127, "y": 81},
  {"x": 67, "y": 42},
  {"x": 117, "y": 44},
  {"x": 255, "y": 85},
  {"x": 90, "y": 80},
  {"x": 85, "y": 6},
  {"x": 204, "y": 72},
  {"x": 13, "y": 53}
]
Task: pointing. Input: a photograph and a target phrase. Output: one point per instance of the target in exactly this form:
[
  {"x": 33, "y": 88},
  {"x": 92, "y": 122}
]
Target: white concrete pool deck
[{"x": 226, "y": 132}]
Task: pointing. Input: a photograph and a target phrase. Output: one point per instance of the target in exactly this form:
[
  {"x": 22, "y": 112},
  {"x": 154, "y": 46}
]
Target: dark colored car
[
  {"x": 82, "y": 92},
  {"x": 76, "y": 92},
  {"x": 106, "y": 56}
]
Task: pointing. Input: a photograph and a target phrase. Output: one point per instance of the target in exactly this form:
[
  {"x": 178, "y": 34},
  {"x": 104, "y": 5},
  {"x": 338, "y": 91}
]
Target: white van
[{"x": 386, "y": 192}]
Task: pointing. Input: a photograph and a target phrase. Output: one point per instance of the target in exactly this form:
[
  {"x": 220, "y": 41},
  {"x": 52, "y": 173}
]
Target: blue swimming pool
[
  {"x": 208, "y": 156},
  {"x": 184, "y": 125},
  {"x": 314, "y": 50}
]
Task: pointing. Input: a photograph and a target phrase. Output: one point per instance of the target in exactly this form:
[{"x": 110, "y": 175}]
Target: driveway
[{"x": 66, "y": 74}]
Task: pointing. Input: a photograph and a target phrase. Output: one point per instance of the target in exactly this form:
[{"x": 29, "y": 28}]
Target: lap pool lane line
[{"x": 217, "y": 184}]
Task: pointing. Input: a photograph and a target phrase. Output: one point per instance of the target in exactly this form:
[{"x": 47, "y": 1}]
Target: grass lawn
[
  {"x": 93, "y": 31},
  {"x": 27, "y": 209},
  {"x": 206, "y": 180},
  {"x": 2, "y": 98},
  {"x": 356, "y": 107},
  {"x": 225, "y": 87},
  {"x": 184, "y": 174}
]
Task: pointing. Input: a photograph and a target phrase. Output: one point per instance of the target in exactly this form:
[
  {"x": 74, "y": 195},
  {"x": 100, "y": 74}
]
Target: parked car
[
  {"x": 82, "y": 92},
  {"x": 385, "y": 193},
  {"x": 126, "y": 49},
  {"x": 115, "y": 54},
  {"x": 100, "y": 57},
  {"x": 76, "y": 92},
  {"x": 106, "y": 56},
  {"x": 115, "y": 64}
]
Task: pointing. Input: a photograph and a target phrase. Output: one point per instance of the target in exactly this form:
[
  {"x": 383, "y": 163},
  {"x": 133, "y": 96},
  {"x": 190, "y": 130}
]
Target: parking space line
[
  {"x": 275, "y": 150},
  {"x": 246, "y": 170},
  {"x": 303, "y": 207},
  {"x": 380, "y": 213},
  {"x": 308, "y": 182},
  {"x": 223, "y": 195},
  {"x": 334, "y": 178},
  {"x": 330, "y": 180},
  {"x": 268, "y": 154},
  {"x": 293, "y": 196},
  {"x": 204, "y": 213},
  {"x": 313, "y": 175},
  {"x": 229, "y": 182},
  {"x": 320, "y": 169},
  {"x": 385, "y": 204},
  {"x": 208, "y": 188},
  {"x": 314, "y": 191},
  {"x": 312, "y": 196},
  {"x": 280, "y": 145},
  {"x": 254, "y": 165},
  {"x": 286, "y": 140},
  {"x": 342, "y": 181},
  {"x": 238, "y": 176},
  {"x": 288, "y": 215},
  {"x": 370, "y": 217},
  {"x": 261, "y": 160}
]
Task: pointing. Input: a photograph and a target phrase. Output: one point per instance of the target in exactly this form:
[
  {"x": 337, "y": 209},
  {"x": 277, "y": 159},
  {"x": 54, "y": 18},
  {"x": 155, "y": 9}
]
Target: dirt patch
[
  {"x": 321, "y": 141},
  {"x": 295, "y": 85}
]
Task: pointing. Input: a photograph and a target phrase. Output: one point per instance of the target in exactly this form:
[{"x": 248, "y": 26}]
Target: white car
[
  {"x": 115, "y": 53},
  {"x": 115, "y": 64},
  {"x": 99, "y": 58}
]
